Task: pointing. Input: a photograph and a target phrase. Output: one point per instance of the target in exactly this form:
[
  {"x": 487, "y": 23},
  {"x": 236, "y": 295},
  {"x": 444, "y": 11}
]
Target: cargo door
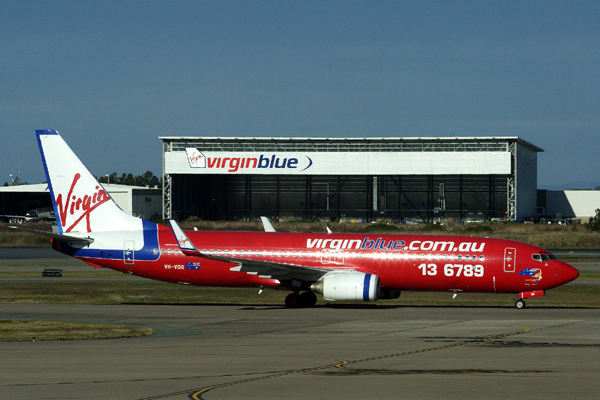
[{"x": 510, "y": 259}]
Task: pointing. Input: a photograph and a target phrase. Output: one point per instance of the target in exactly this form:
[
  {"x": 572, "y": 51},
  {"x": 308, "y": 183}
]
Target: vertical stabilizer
[{"x": 80, "y": 203}]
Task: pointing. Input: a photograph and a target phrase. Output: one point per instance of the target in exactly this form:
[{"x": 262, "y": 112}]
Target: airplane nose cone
[{"x": 568, "y": 273}]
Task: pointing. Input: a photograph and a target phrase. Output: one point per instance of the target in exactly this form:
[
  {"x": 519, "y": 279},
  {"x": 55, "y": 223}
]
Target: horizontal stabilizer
[{"x": 71, "y": 240}]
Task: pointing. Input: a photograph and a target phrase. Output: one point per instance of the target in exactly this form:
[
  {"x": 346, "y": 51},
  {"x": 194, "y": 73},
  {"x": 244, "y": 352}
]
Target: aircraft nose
[{"x": 567, "y": 273}]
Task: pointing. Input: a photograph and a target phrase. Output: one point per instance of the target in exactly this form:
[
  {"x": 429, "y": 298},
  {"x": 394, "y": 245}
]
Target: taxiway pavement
[{"x": 326, "y": 352}]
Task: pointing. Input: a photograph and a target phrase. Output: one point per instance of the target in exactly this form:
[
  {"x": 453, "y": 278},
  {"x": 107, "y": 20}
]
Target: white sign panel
[{"x": 195, "y": 161}]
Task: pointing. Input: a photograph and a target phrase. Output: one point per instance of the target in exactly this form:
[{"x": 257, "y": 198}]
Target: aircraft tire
[
  {"x": 293, "y": 300},
  {"x": 519, "y": 304},
  {"x": 308, "y": 299}
]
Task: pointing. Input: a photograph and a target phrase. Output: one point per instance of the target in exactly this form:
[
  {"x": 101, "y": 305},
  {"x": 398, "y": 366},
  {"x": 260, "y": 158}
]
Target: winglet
[
  {"x": 267, "y": 224},
  {"x": 185, "y": 244}
]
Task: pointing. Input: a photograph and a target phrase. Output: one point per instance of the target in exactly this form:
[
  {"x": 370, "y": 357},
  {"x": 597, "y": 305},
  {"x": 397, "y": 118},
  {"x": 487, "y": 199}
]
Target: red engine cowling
[{"x": 348, "y": 286}]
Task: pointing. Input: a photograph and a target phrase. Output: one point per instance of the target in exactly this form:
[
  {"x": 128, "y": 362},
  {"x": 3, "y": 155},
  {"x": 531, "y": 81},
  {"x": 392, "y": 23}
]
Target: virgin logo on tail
[{"x": 80, "y": 207}]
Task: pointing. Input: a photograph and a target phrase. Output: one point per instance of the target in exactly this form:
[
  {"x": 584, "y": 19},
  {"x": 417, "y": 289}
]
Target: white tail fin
[{"x": 80, "y": 203}]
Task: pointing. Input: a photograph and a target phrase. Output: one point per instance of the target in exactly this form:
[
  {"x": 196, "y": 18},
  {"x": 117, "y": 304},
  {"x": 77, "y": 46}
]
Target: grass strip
[
  {"x": 161, "y": 293},
  {"x": 546, "y": 236},
  {"x": 27, "y": 331}
]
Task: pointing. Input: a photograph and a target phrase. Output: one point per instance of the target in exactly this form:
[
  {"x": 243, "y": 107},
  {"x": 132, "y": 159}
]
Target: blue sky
[{"x": 113, "y": 76}]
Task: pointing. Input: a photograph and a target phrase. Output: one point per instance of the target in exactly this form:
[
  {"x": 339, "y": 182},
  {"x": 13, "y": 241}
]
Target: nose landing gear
[
  {"x": 527, "y": 295},
  {"x": 519, "y": 304}
]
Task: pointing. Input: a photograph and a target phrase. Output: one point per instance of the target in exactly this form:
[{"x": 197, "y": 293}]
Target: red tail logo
[{"x": 83, "y": 206}]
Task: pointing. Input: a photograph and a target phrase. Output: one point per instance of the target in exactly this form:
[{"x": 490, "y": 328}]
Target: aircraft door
[
  {"x": 510, "y": 259},
  {"x": 129, "y": 252}
]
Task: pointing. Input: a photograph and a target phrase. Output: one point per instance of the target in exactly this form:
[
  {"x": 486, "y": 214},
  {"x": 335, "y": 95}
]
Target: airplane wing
[
  {"x": 71, "y": 240},
  {"x": 264, "y": 269}
]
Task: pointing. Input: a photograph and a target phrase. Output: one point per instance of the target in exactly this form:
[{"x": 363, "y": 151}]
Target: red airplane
[{"x": 341, "y": 267}]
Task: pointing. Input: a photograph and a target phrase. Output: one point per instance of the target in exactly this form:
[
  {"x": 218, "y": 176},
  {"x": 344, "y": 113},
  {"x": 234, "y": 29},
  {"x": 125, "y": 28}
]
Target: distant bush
[
  {"x": 435, "y": 227},
  {"x": 479, "y": 228},
  {"x": 594, "y": 222},
  {"x": 380, "y": 228}
]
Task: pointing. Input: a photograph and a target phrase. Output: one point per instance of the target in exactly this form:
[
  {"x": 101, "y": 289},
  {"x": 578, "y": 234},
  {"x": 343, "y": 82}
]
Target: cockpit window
[{"x": 543, "y": 257}]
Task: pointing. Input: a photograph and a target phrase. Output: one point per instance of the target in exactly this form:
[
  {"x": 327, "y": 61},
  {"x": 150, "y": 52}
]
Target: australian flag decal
[
  {"x": 533, "y": 272},
  {"x": 192, "y": 265}
]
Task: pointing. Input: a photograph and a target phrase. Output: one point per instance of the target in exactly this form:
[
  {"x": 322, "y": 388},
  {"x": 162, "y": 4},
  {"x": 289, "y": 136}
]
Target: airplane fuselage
[{"x": 402, "y": 262}]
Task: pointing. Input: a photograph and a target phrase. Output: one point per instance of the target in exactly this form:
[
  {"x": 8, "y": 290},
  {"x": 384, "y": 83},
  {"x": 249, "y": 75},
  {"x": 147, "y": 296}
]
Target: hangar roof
[
  {"x": 382, "y": 144},
  {"x": 43, "y": 187}
]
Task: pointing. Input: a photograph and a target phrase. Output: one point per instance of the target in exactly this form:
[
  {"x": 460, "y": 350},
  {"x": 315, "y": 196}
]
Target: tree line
[{"x": 145, "y": 179}]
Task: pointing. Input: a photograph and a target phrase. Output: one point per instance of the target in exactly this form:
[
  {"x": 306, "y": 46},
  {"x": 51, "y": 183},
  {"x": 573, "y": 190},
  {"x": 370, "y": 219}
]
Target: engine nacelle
[{"x": 348, "y": 286}]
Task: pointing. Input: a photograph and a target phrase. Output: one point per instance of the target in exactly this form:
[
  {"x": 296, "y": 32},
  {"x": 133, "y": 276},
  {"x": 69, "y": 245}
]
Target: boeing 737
[
  {"x": 340, "y": 267},
  {"x": 40, "y": 214}
]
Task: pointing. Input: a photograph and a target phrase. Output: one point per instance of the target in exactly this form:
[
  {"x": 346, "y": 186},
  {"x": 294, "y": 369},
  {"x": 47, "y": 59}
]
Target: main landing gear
[{"x": 297, "y": 300}]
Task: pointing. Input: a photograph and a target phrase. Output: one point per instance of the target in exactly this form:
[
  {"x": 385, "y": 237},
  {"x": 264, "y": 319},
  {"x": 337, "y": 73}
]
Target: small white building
[
  {"x": 572, "y": 203},
  {"x": 139, "y": 201}
]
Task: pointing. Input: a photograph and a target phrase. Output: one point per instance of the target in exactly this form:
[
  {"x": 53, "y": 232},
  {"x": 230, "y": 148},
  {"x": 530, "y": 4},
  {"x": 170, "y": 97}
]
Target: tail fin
[{"x": 80, "y": 203}]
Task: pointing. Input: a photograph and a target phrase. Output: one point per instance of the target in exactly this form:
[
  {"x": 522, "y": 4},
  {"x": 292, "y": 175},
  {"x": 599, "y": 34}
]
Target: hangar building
[{"x": 399, "y": 179}]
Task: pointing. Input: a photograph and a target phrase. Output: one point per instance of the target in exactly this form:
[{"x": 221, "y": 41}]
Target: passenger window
[{"x": 459, "y": 257}]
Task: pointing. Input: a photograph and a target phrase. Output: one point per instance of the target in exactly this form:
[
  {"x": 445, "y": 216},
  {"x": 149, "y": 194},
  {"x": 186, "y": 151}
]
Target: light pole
[{"x": 107, "y": 179}]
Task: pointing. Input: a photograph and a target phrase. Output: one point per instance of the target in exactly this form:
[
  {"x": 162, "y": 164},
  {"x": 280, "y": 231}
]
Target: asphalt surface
[{"x": 362, "y": 352}]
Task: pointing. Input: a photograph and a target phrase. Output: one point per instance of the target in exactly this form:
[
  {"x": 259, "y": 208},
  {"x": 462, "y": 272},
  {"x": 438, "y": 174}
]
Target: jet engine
[{"x": 348, "y": 286}]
